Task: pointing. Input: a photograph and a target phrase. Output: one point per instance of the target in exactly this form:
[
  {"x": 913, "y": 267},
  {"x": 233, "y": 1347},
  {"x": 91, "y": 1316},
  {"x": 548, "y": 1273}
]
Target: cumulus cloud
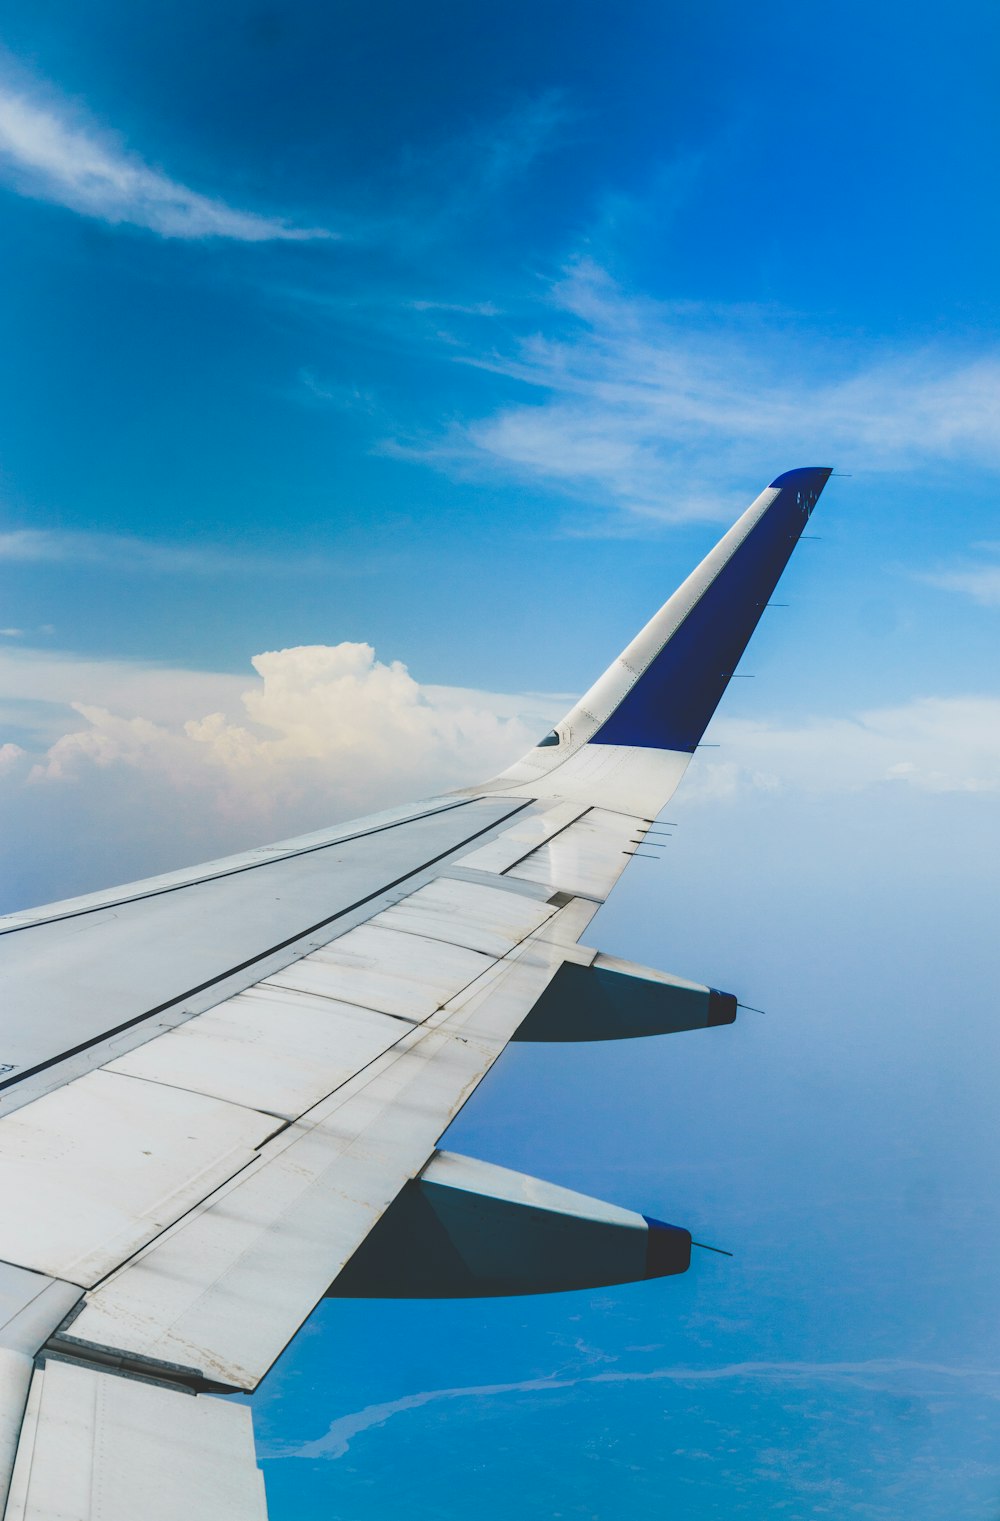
[
  {"x": 50, "y": 153},
  {"x": 660, "y": 408},
  {"x": 125, "y": 770},
  {"x": 333, "y": 720}
]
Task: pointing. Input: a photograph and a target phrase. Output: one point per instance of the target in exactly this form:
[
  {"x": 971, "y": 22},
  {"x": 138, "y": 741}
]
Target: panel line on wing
[
  {"x": 250, "y": 961},
  {"x": 532, "y": 831},
  {"x": 235, "y": 871}
]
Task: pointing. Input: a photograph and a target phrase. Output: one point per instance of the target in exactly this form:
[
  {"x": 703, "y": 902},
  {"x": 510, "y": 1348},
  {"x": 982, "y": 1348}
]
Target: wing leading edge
[{"x": 231, "y": 1083}]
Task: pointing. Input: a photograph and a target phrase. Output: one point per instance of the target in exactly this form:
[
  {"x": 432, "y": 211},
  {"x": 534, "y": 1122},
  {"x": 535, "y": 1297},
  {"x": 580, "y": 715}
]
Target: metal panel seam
[
  {"x": 589, "y": 808},
  {"x": 261, "y": 956},
  {"x": 235, "y": 871}
]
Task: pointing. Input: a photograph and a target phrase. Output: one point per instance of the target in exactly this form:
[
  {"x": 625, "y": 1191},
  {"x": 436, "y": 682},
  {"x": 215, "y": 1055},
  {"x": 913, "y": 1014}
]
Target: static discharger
[
  {"x": 749, "y": 1008},
  {"x": 705, "y": 1246}
]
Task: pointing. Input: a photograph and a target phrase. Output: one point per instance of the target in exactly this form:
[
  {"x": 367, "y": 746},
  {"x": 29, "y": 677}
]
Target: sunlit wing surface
[{"x": 222, "y": 1090}]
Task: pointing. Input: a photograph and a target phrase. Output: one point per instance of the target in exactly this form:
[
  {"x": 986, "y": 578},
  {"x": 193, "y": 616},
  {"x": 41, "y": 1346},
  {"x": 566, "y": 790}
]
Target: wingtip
[
  {"x": 668, "y": 1248},
  {"x": 816, "y": 475}
]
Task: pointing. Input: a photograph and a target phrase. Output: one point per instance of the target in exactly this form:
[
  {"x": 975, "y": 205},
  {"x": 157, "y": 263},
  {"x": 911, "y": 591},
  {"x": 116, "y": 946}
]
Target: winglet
[
  {"x": 683, "y": 660},
  {"x": 647, "y": 713}
]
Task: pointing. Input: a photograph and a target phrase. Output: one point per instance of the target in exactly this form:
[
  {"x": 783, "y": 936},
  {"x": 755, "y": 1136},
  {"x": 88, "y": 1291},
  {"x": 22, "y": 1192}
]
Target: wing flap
[
  {"x": 585, "y": 859},
  {"x": 522, "y": 837},
  {"x": 31, "y": 1306},
  {"x": 94, "y": 1447}
]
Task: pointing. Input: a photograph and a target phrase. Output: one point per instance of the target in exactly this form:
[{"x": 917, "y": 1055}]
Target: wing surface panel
[
  {"x": 70, "y": 983},
  {"x": 486, "y": 919},
  {"x": 385, "y": 969},
  {"x": 270, "y": 1048},
  {"x": 91, "y": 1172},
  {"x": 99, "y": 1448},
  {"x": 225, "y": 1290}
]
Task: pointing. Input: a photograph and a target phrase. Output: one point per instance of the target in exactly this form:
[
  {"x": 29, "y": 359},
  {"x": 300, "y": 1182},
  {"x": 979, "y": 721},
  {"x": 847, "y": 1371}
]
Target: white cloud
[
  {"x": 933, "y": 744},
  {"x": 333, "y": 720},
  {"x": 48, "y": 682},
  {"x": 660, "y": 408},
  {"x": 125, "y": 552},
  {"x": 121, "y": 770},
  {"x": 981, "y": 582},
  {"x": 50, "y": 153}
]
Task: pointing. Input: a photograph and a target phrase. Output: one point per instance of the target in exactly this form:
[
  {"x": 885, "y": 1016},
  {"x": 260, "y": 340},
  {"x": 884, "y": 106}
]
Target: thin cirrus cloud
[
  {"x": 979, "y": 581},
  {"x": 48, "y": 153},
  {"x": 129, "y": 554},
  {"x": 659, "y": 408}
]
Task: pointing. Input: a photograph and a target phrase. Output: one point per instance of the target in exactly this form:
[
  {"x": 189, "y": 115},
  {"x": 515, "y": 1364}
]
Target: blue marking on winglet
[{"x": 671, "y": 704}]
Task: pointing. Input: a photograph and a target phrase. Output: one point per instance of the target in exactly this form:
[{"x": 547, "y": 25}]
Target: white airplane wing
[{"x": 222, "y": 1089}]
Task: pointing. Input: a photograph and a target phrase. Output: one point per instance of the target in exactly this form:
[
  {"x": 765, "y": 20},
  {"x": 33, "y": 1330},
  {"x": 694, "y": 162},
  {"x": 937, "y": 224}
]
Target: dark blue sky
[{"x": 461, "y": 332}]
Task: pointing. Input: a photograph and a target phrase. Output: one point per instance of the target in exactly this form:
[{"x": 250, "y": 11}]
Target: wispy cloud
[
  {"x": 467, "y": 177},
  {"x": 129, "y": 554},
  {"x": 979, "y": 579},
  {"x": 658, "y": 409},
  {"x": 892, "y": 1373},
  {"x": 49, "y": 152}
]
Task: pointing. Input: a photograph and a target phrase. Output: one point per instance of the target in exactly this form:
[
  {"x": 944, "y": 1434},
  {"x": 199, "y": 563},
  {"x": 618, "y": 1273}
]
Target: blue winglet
[{"x": 670, "y": 705}]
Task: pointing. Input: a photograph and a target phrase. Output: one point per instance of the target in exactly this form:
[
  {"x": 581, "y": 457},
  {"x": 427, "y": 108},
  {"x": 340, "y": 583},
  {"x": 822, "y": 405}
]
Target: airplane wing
[{"x": 222, "y": 1090}]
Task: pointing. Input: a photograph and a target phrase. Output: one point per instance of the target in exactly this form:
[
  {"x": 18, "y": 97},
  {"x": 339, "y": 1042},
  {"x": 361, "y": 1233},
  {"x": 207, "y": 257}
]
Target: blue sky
[{"x": 415, "y": 355}]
